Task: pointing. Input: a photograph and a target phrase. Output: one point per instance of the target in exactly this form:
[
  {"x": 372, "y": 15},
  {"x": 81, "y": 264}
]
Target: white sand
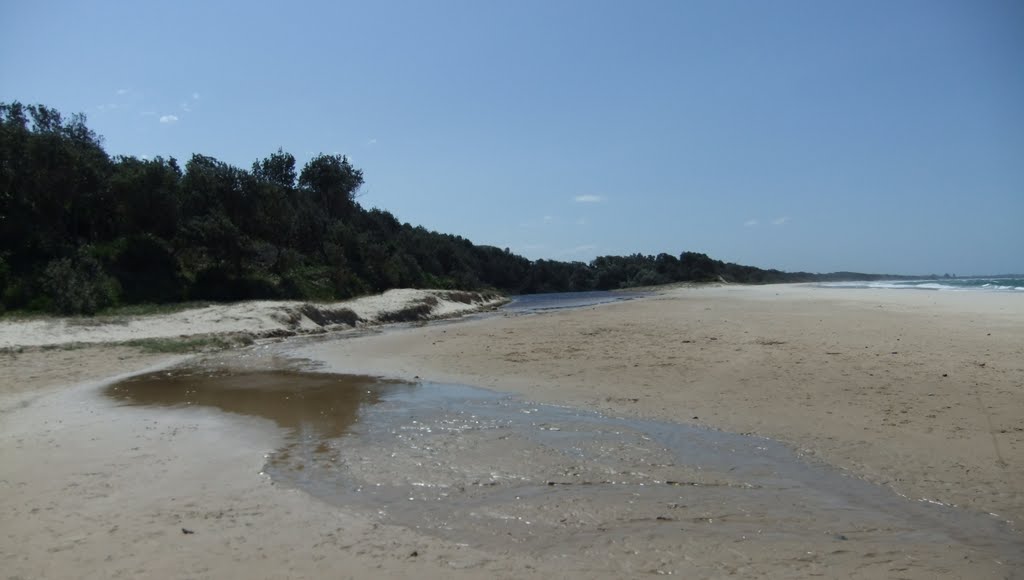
[
  {"x": 921, "y": 392},
  {"x": 255, "y": 318}
]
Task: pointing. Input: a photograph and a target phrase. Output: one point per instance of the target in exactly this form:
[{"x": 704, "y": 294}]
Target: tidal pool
[{"x": 494, "y": 471}]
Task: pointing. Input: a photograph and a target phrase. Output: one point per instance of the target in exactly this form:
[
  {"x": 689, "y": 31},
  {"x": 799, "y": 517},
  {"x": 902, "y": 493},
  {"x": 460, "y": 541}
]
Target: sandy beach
[{"x": 919, "y": 393}]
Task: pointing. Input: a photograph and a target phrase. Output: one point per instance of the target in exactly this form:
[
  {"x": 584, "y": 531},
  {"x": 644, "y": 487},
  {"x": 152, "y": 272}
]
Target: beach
[{"x": 917, "y": 392}]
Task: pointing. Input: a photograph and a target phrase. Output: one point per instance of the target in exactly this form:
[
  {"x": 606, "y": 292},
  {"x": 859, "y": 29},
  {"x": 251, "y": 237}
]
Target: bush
[
  {"x": 322, "y": 283},
  {"x": 148, "y": 271},
  {"x": 79, "y": 286},
  {"x": 218, "y": 285}
]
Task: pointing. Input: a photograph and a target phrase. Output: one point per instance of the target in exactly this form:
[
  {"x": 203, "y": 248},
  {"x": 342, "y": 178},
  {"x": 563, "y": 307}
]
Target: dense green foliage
[{"x": 81, "y": 231}]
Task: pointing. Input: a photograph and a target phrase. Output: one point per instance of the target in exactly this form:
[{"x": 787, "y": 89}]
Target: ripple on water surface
[{"x": 492, "y": 470}]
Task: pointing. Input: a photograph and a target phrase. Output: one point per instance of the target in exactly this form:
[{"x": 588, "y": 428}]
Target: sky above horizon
[{"x": 801, "y": 135}]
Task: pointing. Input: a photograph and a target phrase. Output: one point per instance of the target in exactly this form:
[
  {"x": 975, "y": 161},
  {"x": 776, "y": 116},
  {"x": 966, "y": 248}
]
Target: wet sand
[
  {"x": 920, "y": 391},
  {"x": 96, "y": 489},
  {"x": 503, "y": 474}
]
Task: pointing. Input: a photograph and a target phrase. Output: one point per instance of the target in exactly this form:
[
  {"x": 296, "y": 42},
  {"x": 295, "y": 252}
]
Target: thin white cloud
[
  {"x": 372, "y": 142},
  {"x": 750, "y": 223},
  {"x": 168, "y": 119},
  {"x": 122, "y": 91},
  {"x": 186, "y": 107},
  {"x": 548, "y": 219},
  {"x": 780, "y": 221},
  {"x": 588, "y": 199},
  {"x": 195, "y": 96},
  {"x": 581, "y": 221}
]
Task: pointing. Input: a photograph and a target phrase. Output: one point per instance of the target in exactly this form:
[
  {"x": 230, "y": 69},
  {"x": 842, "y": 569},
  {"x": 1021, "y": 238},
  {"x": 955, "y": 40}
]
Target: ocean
[{"x": 939, "y": 284}]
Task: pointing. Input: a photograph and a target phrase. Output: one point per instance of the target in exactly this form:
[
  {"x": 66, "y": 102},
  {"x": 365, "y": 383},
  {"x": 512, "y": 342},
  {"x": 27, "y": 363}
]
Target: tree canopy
[{"x": 81, "y": 231}]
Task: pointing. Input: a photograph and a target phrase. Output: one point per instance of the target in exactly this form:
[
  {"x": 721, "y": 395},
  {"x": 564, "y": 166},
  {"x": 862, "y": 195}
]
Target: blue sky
[{"x": 870, "y": 135}]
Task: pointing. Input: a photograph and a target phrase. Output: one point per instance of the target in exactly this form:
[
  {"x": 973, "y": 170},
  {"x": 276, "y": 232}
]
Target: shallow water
[
  {"x": 535, "y": 303},
  {"x": 491, "y": 470}
]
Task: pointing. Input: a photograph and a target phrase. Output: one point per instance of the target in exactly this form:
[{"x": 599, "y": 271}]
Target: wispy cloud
[
  {"x": 780, "y": 221},
  {"x": 122, "y": 91},
  {"x": 588, "y": 199},
  {"x": 372, "y": 142},
  {"x": 187, "y": 107},
  {"x": 581, "y": 221},
  {"x": 168, "y": 119},
  {"x": 750, "y": 223},
  {"x": 195, "y": 96}
]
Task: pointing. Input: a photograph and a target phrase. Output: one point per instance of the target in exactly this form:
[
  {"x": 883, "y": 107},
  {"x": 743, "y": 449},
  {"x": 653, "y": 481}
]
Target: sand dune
[{"x": 256, "y": 318}]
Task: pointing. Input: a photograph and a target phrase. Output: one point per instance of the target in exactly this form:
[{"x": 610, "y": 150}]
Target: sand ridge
[{"x": 259, "y": 318}]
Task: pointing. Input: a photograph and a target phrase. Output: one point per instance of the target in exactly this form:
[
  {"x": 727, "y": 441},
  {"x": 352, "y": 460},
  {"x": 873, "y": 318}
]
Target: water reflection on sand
[{"x": 492, "y": 470}]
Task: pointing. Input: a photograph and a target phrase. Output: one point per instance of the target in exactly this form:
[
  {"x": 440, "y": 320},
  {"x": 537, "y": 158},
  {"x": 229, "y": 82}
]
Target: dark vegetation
[
  {"x": 82, "y": 232},
  {"x": 328, "y": 316},
  {"x": 411, "y": 313}
]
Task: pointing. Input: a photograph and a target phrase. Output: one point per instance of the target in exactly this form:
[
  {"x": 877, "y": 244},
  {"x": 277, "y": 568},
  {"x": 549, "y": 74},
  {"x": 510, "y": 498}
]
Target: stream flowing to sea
[{"x": 496, "y": 471}]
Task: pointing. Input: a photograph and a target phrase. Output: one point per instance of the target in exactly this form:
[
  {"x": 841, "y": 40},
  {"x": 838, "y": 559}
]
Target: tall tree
[
  {"x": 333, "y": 183},
  {"x": 278, "y": 169}
]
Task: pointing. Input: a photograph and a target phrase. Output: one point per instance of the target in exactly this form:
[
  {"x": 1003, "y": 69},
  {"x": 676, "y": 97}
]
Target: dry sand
[
  {"x": 919, "y": 391},
  {"x": 256, "y": 319}
]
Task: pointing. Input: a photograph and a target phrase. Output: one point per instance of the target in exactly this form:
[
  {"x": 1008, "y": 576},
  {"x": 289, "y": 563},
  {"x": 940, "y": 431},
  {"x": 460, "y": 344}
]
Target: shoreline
[
  {"x": 91, "y": 481},
  {"x": 851, "y": 378}
]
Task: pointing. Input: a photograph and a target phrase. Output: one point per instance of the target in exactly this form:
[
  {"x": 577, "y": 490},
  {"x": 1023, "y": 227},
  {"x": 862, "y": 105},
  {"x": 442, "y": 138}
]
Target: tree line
[{"x": 81, "y": 231}]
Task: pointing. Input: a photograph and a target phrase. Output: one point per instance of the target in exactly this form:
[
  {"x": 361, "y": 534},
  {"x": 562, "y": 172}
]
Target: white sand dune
[{"x": 255, "y": 319}]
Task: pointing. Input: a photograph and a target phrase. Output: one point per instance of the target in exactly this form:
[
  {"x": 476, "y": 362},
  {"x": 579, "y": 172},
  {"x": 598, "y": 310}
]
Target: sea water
[{"x": 1008, "y": 284}]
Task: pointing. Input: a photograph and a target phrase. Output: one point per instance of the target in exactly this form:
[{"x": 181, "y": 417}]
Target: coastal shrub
[
  {"x": 78, "y": 286},
  {"x": 168, "y": 232},
  {"x": 5, "y": 280},
  {"x": 147, "y": 271},
  {"x": 219, "y": 285},
  {"x": 646, "y": 277},
  {"x": 309, "y": 283},
  {"x": 202, "y": 343}
]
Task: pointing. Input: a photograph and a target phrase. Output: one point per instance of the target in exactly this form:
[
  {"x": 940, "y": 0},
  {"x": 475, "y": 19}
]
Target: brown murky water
[
  {"x": 314, "y": 408},
  {"x": 494, "y": 471},
  {"x": 321, "y": 405}
]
